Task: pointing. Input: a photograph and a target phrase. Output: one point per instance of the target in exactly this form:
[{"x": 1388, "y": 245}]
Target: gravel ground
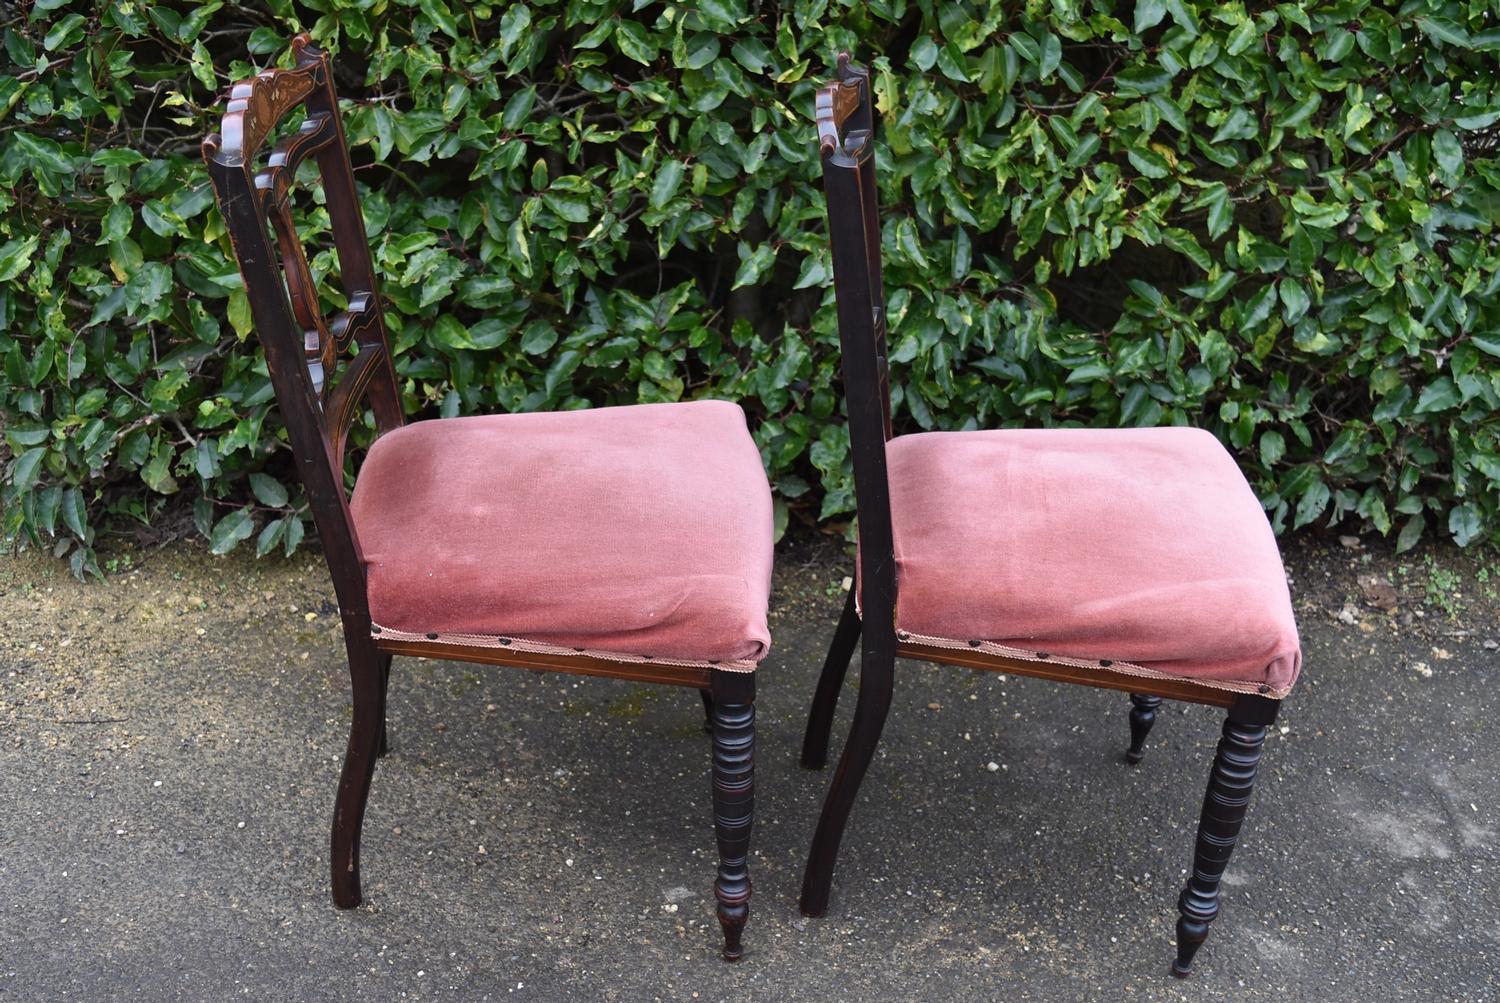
[{"x": 170, "y": 741}]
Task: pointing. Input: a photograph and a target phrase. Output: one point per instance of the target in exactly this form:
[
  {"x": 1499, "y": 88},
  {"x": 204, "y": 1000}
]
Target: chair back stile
[
  {"x": 846, "y": 141},
  {"x": 302, "y": 347}
]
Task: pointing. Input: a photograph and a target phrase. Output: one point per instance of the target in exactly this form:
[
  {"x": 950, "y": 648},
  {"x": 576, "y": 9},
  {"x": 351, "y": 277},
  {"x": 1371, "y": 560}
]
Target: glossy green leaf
[
  {"x": 1411, "y": 533},
  {"x": 268, "y": 491},
  {"x": 26, "y": 468},
  {"x": 1148, "y": 14},
  {"x": 229, "y": 531},
  {"x": 65, "y": 31},
  {"x": 438, "y": 13},
  {"x": 1440, "y": 395},
  {"x": 74, "y": 513},
  {"x": 1465, "y": 524},
  {"x": 633, "y": 41},
  {"x": 753, "y": 264},
  {"x": 15, "y": 256},
  {"x": 1450, "y": 156},
  {"x": 668, "y": 180},
  {"x": 270, "y": 536}
]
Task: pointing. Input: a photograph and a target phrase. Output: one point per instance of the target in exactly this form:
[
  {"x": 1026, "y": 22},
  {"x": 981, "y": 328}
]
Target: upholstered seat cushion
[
  {"x": 642, "y": 531},
  {"x": 1145, "y": 548}
]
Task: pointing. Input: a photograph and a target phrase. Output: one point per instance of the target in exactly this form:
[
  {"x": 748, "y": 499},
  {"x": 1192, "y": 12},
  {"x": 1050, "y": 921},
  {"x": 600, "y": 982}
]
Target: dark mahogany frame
[
  {"x": 846, "y": 123},
  {"x": 303, "y": 353}
]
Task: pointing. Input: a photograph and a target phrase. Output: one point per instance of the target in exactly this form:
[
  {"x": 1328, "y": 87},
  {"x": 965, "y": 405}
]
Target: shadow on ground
[{"x": 170, "y": 742}]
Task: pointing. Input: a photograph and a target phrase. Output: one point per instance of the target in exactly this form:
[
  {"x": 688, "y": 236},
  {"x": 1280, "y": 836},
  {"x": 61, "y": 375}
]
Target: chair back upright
[
  {"x": 303, "y": 348},
  {"x": 846, "y": 146}
]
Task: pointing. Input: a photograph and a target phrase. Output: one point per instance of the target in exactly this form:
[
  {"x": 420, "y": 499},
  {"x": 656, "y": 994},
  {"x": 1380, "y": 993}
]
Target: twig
[
  {"x": 38, "y": 71},
  {"x": 185, "y": 433},
  {"x": 155, "y": 93}
]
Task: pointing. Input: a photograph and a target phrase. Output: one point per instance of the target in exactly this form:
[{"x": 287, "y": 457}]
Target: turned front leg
[
  {"x": 1229, "y": 788},
  {"x": 733, "y": 719}
]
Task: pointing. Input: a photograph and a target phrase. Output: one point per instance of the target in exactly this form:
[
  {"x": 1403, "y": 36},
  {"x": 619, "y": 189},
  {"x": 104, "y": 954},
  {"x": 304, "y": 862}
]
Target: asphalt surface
[{"x": 170, "y": 742}]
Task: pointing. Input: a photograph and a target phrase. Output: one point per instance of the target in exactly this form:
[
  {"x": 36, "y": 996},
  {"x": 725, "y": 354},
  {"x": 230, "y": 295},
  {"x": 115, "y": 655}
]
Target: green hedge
[{"x": 1276, "y": 221}]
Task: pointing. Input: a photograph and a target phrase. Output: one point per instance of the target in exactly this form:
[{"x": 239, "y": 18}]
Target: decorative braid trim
[
  {"x": 1127, "y": 668},
  {"x": 502, "y": 642}
]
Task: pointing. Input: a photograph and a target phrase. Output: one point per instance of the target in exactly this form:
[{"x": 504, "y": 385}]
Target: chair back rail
[
  {"x": 846, "y": 146},
  {"x": 303, "y": 348}
]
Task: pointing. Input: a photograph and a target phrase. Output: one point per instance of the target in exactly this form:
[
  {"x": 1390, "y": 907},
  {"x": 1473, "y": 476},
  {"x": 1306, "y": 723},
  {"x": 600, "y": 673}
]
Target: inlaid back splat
[
  {"x": 303, "y": 347},
  {"x": 274, "y": 185}
]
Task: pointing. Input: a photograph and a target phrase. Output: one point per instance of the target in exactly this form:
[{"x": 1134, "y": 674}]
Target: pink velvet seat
[
  {"x": 1142, "y": 547},
  {"x": 636, "y": 532}
]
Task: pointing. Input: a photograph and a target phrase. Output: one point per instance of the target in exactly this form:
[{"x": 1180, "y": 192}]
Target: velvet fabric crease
[
  {"x": 643, "y": 530},
  {"x": 1141, "y": 546}
]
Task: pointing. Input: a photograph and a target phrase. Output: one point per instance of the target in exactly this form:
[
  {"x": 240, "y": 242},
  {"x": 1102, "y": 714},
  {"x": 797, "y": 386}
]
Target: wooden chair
[
  {"x": 1133, "y": 559},
  {"x": 631, "y": 542}
]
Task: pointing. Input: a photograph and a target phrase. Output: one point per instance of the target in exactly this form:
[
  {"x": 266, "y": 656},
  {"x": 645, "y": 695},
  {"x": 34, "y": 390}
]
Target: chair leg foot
[
  {"x": 1190, "y": 936},
  {"x": 877, "y": 669},
  {"x": 1229, "y": 787},
  {"x": 1142, "y": 717},
  {"x": 359, "y": 769},
  {"x": 733, "y": 719},
  {"x": 830, "y": 681}
]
